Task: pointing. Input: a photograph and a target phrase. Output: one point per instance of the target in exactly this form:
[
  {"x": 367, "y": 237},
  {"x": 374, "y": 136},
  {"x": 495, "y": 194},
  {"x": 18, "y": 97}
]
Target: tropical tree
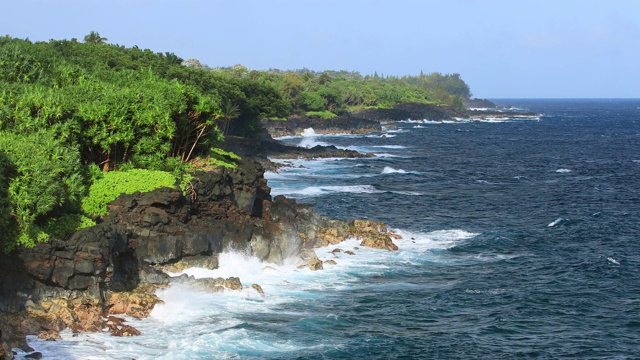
[
  {"x": 229, "y": 112},
  {"x": 95, "y": 38}
]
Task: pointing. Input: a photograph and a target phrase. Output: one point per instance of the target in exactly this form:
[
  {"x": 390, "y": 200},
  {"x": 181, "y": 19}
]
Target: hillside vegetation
[{"x": 71, "y": 111}]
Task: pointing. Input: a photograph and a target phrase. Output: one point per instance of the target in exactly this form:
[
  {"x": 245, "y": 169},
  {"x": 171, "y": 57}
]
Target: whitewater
[{"x": 519, "y": 240}]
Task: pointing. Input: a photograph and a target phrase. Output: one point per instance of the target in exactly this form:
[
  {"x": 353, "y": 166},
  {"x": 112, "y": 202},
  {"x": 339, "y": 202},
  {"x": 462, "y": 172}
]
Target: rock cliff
[
  {"x": 344, "y": 124},
  {"x": 115, "y": 266},
  {"x": 415, "y": 111}
]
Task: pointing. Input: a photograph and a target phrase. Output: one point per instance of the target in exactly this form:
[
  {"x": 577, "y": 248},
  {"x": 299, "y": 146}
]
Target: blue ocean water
[{"x": 521, "y": 240}]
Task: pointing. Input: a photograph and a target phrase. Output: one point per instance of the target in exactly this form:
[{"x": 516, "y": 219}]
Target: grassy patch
[
  {"x": 115, "y": 183},
  {"x": 322, "y": 114}
]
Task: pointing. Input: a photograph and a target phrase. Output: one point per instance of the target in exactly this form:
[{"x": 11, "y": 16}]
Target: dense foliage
[
  {"x": 71, "y": 110},
  {"x": 337, "y": 91},
  {"x": 114, "y": 183}
]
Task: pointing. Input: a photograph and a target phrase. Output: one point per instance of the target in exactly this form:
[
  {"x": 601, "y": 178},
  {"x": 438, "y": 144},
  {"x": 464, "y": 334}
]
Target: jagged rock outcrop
[
  {"x": 479, "y": 104},
  {"x": 373, "y": 234},
  {"x": 264, "y": 147},
  {"x": 415, "y": 111},
  {"x": 115, "y": 267},
  {"x": 344, "y": 124}
]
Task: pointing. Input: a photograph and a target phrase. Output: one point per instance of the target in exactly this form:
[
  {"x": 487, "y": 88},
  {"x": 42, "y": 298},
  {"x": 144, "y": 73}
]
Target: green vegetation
[
  {"x": 115, "y": 183},
  {"x": 322, "y": 114},
  {"x": 66, "y": 225},
  {"x": 338, "y": 91},
  {"x": 40, "y": 177},
  {"x": 83, "y": 122}
]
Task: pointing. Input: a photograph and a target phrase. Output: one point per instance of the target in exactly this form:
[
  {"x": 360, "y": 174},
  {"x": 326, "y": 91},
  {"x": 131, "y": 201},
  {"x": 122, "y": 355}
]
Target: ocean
[{"x": 521, "y": 239}]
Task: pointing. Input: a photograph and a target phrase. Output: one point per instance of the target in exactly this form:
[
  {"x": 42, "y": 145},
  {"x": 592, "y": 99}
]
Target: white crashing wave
[
  {"x": 558, "y": 221},
  {"x": 412, "y": 193},
  {"x": 613, "y": 261},
  {"x": 563, "y": 171},
  {"x": 324, "y": 190},
  {"x": 309, "y": 139},
  {"x": 190, "y": 323},
  {"x": 382, "y": 136},
  {"x": 308, "y": 132},
  {"x": 425, "y": 121},
  {"x": 390, "y": 170}
]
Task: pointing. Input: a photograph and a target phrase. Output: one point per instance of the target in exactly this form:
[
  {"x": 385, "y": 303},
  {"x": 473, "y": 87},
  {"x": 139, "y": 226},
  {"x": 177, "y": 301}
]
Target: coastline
[
  {"x": 88, "y": 282},
  {"x": 114, "y": 268}
]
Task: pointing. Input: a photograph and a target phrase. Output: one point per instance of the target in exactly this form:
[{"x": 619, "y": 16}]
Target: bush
[
  {"x": 41, "y": 176},
  {"x": 115, "y": 183},
  {"x": 66, "y": 225},
  {"x": 322, "y": 114}
]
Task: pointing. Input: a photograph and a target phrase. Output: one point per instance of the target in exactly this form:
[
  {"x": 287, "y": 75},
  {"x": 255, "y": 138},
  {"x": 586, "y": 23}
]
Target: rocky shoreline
[
  {"x": 370, "y": 120},
  {"x": 344, "y": 124},
  {"x": 264, "y": 148},
  {"x": 85, "y": 282}
]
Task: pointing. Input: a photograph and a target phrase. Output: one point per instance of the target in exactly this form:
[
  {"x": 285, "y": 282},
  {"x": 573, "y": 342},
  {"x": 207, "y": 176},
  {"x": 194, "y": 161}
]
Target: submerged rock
[
  {"x": 138, "y": 303},
  {"x": 313, "y": 264},
  {"x": 378, "y": 241},
  {"x": 202, "y": 261},
  {"x": 49, "y": 335},
  {"x": 117, "y": 327},
  {"x": 258, "y": 288},
  {"x": 374, "y": 234},
  {"x": 210, "y": 284}
]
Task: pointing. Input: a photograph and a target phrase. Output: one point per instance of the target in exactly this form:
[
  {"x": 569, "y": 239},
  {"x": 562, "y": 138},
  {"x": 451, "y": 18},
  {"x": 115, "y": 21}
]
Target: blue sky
[{"x": 502, "y": 49}]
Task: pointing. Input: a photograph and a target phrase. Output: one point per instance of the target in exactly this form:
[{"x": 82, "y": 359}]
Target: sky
[{"x": 501, "y": 48}]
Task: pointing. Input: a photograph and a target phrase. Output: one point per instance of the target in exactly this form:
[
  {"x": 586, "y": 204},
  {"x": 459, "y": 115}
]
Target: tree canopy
[
  {"x": 70, "y": 109},
  {"x": 94, "y": 38}
]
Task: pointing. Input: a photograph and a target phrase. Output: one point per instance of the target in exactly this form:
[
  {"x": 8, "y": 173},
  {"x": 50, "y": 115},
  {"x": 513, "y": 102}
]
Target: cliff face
[
  {"x": 479, "y": 104},
  {"x": 413, "y": 111},
  {"x": 294, "y": 126},
  {"x": 113, "y": 267}
]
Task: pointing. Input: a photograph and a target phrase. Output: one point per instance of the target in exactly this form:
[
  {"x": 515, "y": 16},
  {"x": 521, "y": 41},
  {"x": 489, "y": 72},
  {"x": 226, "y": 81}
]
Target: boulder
[
  {"x": 49, "y": 335},
  {"x": 361, "y": 227},
  {"x": 378, "y": 241},
  {"x": 138, "y": 304},
  {"x": 117, "y": 327},
  {"x": 258, "y": 288},
  {"x": 313, "y": 264},
  {"x": 200, "y": 261},
  {"x": 373, "y": 234},
  {"x": 210, "y": 284}
]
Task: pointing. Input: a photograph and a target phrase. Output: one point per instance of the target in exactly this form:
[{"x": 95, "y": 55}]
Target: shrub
[
  {"x": 322, "y": 114},
  {"x": 66, "y": 225},
  {"x": 226, "y": 159},
  {"x": 115, "y": 183},
  {"x": 41, "y": 176}
]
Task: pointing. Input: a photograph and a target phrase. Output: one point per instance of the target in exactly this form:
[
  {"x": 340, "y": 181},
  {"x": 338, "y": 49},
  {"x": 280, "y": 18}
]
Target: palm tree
[
  {"x": 172, "y": 59},
  {"x": 229, "y": 112},
  {"x": 94, "y": 38}
]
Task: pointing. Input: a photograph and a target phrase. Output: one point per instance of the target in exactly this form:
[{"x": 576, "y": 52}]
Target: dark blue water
[
  {"x": 521, "y": 288},
  {"x": 521, "y": 240}
]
